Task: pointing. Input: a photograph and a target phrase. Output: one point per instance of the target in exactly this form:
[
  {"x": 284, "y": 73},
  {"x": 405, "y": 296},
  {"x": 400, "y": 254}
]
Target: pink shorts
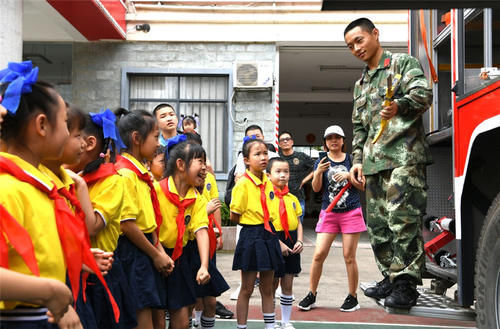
[{"x": 341, "y": 222}]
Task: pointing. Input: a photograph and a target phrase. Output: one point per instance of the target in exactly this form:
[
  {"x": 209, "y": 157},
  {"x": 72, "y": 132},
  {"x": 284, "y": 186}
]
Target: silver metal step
[{"x": 430, "y": 305}]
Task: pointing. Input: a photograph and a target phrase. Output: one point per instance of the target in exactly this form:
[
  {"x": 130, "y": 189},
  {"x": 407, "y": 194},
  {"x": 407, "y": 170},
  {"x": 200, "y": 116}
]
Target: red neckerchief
[
  {"x": 181, "y": 206},
  {"x": 71, "y": 233},
  {"x": 123, "y": 162},
  {"x": 19, "y": 239},
  {"x": 211, "y": 234},
  {"x": 263, "y": 202},
  {"x": 283, "y": 214},
  {"x": 104, "y": 170}
]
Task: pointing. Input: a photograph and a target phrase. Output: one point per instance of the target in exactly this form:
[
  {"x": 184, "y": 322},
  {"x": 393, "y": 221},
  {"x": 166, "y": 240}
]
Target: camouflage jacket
[{"x": 403, "y": 141}]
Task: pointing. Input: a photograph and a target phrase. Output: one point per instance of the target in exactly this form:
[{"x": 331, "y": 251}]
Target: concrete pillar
[{"x": 11, "y": 32}]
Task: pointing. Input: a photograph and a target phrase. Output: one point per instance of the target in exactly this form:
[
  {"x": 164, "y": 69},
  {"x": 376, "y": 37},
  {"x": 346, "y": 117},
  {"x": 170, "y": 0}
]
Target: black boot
[
  {"x": 404, "y": 294},
  {"x": 381, "y": 290}
]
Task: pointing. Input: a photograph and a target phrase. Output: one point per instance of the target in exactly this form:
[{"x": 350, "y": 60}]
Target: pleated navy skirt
[
  {"x": 217, "y": 284},
  {"x": 292, "y": 262},
  {"x": 146, "y": 284},
  {"x": 99, "y": 299},
  {"x": 258, "y": 250},
  {"x": 83, "y": 308},
  {"x": 180, "y": 285}
]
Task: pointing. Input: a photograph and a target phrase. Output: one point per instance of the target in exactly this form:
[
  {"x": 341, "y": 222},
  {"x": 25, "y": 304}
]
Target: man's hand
[
  {"x": 356, "y": 176},
  {"x": 389, "y": 111}
]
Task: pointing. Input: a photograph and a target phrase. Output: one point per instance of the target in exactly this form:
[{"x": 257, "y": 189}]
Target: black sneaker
[
  {"x": 308, "y": 302},
  {"x": 404, "y": 295},
  {"x": 222, "y": 312},
  {"x": 381, "y": 290},
  {"x": 350, "y": 304}
]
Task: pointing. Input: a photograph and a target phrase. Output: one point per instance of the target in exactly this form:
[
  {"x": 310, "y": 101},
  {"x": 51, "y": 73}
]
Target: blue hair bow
[
  {"x": 249, "y": 138},
  {"x": 171, "y": 142},
  {"x": 20, "y": 76},
  {"x": 106, "y": 119}
]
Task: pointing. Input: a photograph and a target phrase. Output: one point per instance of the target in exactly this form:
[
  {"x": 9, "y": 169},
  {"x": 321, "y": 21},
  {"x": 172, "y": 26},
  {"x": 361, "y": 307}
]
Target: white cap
[{"x": 334, "y": 130}]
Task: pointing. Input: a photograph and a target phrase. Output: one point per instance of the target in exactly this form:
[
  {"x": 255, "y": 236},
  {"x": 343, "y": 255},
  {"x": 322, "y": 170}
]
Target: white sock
[
  {"x": 197, "y": 316},
  {"x": 241, "y": 326},
  {"x": 269, "y": 320},
  {"x": 207, "y": 323},
  {"x": 190, "y": 322},
  {"x": 286, "y": 308}
]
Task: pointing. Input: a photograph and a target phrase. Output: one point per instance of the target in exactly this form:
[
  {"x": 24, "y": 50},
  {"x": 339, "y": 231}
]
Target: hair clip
[
  {"x": 249, "y": 138},
  {"x": 20, "y": 77},
  {"x": 106, "y": 120},
  {"x": 102, "y": 155},
  {"x": 171, "y": 142}
]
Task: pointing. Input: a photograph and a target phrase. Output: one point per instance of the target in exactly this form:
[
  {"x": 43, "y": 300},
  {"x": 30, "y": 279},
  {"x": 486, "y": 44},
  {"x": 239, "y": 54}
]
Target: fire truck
[{"x": 459, "y": 49}]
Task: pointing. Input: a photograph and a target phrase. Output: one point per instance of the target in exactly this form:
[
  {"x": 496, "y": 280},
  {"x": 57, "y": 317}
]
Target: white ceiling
[
  {"x": 300, "y": 73},
  {"x": 41, "y": 22}
]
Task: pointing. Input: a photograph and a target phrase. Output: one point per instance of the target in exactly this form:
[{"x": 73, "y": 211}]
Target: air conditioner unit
[{"x": 253, "y": 74}]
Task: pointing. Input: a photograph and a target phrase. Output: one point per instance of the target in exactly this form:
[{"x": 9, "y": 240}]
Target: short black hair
[
  {"x": 193, "y": 138},
  {"x": 76, "y": 117},
  {"x": 253, "y": 127},
  {"x": 185, "y": 151},
  {"x": 160, "y": 106},
  {"x": 364, "y": 23},
  {"x": 285, "y": 132},
  {"x": 272, "y": 161},
  {"x": 141, "y": 121}
]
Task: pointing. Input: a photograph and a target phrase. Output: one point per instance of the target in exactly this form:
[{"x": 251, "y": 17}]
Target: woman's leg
[
  {"x": 179, "y": 319},
  {"x": 158, "y": 318},
  {"x": 247, "y": 284},
  {"x": 267, "y": 295},
  {"x": 144, "y": 319},
  {"x": 349, "y": 246},
  {"x": 286, "y": 299},
  {"x": 323, "y": 243}
]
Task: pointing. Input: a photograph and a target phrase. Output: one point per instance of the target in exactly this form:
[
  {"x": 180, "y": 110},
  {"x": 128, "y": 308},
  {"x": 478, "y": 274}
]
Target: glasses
[{"x": 286, "y": 139}]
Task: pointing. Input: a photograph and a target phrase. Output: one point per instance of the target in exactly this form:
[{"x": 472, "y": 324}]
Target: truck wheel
[{"x": 487, "y": 278}]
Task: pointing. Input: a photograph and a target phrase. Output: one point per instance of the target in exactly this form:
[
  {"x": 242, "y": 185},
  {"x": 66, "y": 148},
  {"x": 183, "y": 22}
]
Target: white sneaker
[
  {"x": 278, "y": 292},
  {"x": 287, "y": 325},
  {"x": 235, "y": 293},
  {"x": 277, "y": 325}
]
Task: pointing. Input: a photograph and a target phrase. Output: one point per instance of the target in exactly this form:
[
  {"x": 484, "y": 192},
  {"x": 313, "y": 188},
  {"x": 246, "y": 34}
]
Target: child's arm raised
[{"x": 202, "y": 240}]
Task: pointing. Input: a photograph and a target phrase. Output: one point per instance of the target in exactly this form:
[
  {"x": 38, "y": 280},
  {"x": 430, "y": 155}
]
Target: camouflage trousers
[{"x": 396, "y": 201}]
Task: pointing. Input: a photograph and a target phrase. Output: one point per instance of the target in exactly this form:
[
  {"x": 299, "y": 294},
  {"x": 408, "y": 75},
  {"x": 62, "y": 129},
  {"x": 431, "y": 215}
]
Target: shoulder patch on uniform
[
  {"x": 387, "y": 62},
  {"x": 209, "y": 186},
  {"x": 271, "y": 195},
  {"x": 187, "y": 219}
]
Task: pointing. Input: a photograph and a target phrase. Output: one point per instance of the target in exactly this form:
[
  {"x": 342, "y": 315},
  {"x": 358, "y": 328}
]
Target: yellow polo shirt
[
  {"x": 195, "y": 215},
  {"x": 34, "y": 210},
  {"x": 245, "y": 200},
  {"x": 107, "y": 197},
  {"x": 63, "y": 181},
  {"x": 137, "y": 202},
  {"x": 210, "y": 190},
  {"x": 293, "y": 211}
]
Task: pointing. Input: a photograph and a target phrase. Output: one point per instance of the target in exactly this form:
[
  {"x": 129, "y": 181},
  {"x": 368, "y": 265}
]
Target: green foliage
[{"x": 224, "y": 213}]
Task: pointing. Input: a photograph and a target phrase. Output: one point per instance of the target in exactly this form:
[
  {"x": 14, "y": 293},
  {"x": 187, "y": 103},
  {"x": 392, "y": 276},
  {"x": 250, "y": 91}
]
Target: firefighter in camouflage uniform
[{"x": 393, "y": 168}]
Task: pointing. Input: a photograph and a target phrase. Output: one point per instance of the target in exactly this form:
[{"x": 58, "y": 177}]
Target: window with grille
[{"x": 206, "y": 96}]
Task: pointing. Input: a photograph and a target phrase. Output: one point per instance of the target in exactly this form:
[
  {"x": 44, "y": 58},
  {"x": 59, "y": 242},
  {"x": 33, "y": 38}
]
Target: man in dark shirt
[{"x": 301, "y": 168}]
